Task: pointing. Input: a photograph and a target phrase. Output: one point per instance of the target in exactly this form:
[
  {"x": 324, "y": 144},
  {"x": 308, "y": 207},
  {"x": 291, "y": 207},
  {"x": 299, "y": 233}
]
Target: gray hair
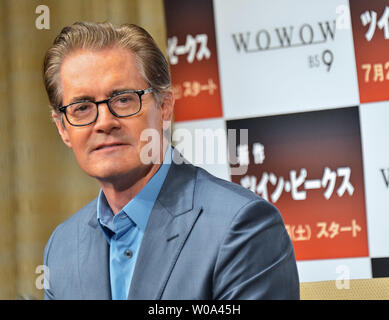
[{"x": 151, "y": 62}]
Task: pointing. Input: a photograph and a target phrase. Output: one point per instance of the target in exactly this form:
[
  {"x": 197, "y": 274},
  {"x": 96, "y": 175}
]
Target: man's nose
[{"x": 106, "y": 121}]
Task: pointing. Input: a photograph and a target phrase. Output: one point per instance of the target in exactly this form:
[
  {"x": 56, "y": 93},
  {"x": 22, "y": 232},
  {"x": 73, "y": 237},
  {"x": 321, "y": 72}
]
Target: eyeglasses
[{"x": 124, "y": 104}]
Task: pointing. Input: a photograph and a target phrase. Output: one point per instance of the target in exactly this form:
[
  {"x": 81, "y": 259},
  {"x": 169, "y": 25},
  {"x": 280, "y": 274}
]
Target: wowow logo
[
  {"x": 287, "y": 37},
  {"x": 284, "y": 37}
]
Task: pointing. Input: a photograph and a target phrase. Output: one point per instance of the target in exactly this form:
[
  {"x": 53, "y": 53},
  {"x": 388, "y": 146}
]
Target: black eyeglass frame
[{"x": 140, "y": 93}]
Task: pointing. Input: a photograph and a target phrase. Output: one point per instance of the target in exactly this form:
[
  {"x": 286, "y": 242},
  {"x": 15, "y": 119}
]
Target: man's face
[{"x": 110, "y": 147}]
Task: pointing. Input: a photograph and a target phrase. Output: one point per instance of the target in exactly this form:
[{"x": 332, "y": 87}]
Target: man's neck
[{"x": 120, "y": 191}]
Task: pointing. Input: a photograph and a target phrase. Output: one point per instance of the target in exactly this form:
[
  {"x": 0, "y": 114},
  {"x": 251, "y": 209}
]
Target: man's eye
[
  {"x": 124, "y": 99},
  {"x": 82, "y": 108}
]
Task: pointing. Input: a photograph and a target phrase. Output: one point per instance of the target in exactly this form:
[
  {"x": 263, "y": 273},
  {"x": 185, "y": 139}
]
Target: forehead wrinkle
[{"x": 107, "y": 66}]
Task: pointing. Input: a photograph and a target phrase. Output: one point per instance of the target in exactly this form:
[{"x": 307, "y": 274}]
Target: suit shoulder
[
  {"x": 224, "y": 200},
  {"x": 80, "y": 217},
  {"x": 83, "y": 215},
  {"x": 211, "y": 186}
]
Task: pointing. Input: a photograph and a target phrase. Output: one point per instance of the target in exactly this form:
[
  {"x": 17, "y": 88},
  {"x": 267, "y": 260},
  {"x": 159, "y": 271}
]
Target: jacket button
[{"x": 128, "y": 253}]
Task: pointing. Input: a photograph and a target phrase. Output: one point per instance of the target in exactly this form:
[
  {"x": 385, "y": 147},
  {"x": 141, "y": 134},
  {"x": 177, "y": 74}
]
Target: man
[{"x": 158, "y": 229}]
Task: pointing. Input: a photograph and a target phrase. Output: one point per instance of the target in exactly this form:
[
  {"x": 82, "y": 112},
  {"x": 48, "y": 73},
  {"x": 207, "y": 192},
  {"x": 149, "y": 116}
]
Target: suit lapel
[
  {"x": 93, "y": 258},
  {"x": 169, "y": 225}
]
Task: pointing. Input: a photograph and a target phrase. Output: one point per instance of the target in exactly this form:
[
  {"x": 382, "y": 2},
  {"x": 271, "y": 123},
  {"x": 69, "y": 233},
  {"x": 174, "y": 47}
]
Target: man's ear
[
  {"x": 63, "y": 132},
  {"x": 167, "y": 107}
]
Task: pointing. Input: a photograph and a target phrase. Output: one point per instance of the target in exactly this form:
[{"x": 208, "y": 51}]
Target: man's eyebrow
[
  {"x": 118, "y": 91},
  {"x": 90, "y": 98},
  {"x": 81, "y": 98}
]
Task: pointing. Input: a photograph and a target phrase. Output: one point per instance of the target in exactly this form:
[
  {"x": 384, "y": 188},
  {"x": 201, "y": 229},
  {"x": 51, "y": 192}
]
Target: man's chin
[
  {"x": 114, "y": 174},
  {"x": 108, "y": 174}
]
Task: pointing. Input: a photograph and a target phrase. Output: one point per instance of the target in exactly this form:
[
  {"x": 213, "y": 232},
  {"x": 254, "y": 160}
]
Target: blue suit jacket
[{"x": 206, "y": 238}]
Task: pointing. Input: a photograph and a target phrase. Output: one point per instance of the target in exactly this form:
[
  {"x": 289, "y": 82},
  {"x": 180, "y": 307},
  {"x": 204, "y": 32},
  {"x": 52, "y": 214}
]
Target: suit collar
[
  {"x": 177, "y": 192},
  {"x": 93, "y": 257},
  {"x": 170, "y": 223}
]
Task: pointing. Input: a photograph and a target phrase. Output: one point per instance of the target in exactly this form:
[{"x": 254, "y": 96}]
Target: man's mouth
[{"x": 109, "y": 146}]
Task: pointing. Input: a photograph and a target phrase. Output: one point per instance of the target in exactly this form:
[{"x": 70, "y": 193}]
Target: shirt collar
[{"x": 139, "y": 208}]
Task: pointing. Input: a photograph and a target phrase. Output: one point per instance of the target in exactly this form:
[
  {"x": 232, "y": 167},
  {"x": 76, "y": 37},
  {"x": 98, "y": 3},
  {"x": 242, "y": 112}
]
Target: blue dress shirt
[{"x": 124, "y": 231}]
